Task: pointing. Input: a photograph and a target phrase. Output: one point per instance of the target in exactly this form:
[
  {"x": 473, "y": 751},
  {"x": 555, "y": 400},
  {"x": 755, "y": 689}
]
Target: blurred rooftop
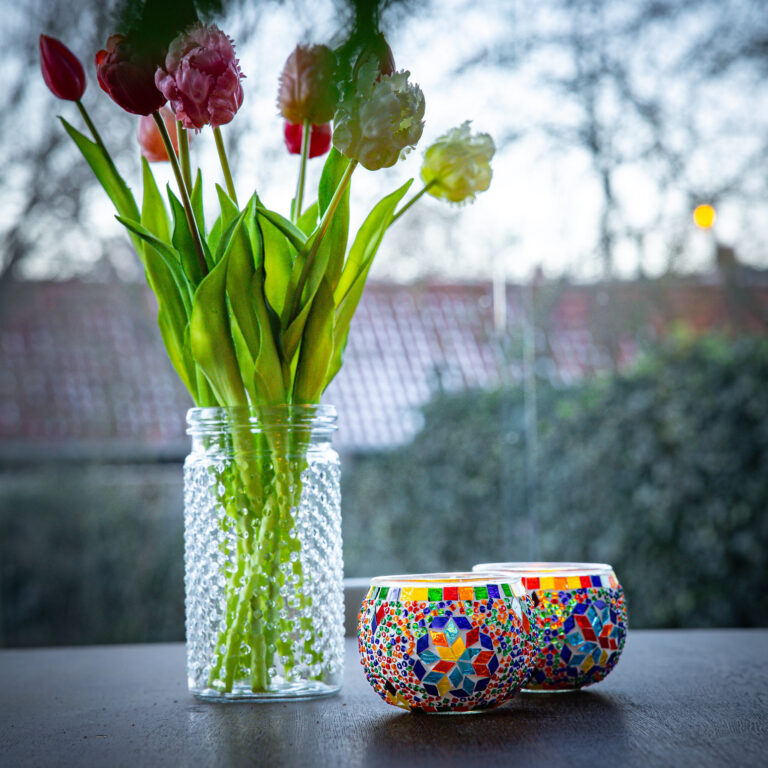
[{"x": 83, "y": 373}]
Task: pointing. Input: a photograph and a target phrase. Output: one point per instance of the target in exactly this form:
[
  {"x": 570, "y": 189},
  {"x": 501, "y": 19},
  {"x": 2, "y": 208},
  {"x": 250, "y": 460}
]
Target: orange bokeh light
[{"x": 704, "y": 216}]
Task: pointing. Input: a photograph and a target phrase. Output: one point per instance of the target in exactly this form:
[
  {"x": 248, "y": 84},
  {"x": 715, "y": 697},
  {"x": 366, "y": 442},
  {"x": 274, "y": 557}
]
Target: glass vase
[{"x": 263, "y": 562}]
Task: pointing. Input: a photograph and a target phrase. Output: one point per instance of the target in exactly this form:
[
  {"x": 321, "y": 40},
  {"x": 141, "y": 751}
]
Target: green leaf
[
  {"x": 294, "y": 235},
  {"x": 169, "y": 255},
  {"x": 350, "y": 288},
  {"x": 338, "y": 230},
  {"x": 316, "y": 347},
  {"x": 269, "y": 379},
  {"x": 210, "y": 337},
  {"x": 172, "y": 331},
  {"x": 154, "y": 217},
  {"x": 172, "y": 317},
  {"x": 279, "y": 256},
  {"x": 244, "y": 359},
  {"x": 246, "y": 291},
  {"x": 333, "y": 170},
  {"x": 323, "y": 255},
  {"x": 309, "y": 219},
  {"x": 119, "y": 192},
  {"x": 292, "y": 334},
  {"x": 196, "y": 199},
  {"x": 229, "y": 212},
  {"x": 183, "y": 242},
  {"x": 215, "y": 235},
  {"x": 239, "y": 275},
  {"x": 367, "y": 241}
]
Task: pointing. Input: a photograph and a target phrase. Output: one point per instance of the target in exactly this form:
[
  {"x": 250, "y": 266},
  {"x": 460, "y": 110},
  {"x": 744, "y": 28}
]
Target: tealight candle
[
  {"x": 446, "y": 642},
  {"x": 581, "y": 617}
]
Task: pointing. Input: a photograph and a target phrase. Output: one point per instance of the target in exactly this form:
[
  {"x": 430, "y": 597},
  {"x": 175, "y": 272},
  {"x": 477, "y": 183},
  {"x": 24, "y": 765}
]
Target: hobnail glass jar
[{"x": 263, "y": 562}]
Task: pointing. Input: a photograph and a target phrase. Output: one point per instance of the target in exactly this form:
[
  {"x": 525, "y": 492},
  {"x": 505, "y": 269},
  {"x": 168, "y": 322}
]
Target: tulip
[
  {"x": 62, "y": 71},
  {"x": 319, "y": 138},
  {"x": 458, "y": 165},
  {"x": 150, "y": 140},
  {"x": 307, "y": 91},
  {"x": 127, "y": 74},
  {"x": 383, "y": 117},
  {"x": 201, "y": 77}
]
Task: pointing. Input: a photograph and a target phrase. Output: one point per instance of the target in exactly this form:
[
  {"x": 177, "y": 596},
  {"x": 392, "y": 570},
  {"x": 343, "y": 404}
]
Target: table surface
[{"x": 677, "y": 698}]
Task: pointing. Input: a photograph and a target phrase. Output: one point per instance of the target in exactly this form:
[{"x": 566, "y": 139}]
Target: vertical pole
[{"x": 531, "y": 419}]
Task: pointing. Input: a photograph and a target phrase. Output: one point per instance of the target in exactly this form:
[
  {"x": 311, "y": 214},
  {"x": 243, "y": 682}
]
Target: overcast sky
[{"x": 544, "y": 203}]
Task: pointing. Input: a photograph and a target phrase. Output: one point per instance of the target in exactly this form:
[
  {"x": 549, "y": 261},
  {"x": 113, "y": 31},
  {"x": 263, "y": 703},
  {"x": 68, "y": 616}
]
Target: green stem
[
  {"x": 96, "y": 135},
  {"x": 224, "y": 164},
  {"x": 424, "y": 189},
  {"x": 326, "y": 222},
  {"x": 182, "y": 138},
  {"x": 262, "y": 524},
  {"x": 299, "y": 201},
  {"x": 182, "y": 191}
]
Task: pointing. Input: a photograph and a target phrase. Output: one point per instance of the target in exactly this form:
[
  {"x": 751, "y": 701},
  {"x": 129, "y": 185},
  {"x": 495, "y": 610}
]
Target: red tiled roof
[{"x": 82, "y": 365}]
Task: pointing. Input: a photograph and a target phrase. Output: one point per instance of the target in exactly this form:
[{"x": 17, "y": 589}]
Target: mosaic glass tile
[
  {"x": 582, "y": 632},
  {"x": 451, "y": 648}
]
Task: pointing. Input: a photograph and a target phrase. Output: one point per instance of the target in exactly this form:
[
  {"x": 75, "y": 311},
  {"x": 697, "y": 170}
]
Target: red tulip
[
  {"x": 128, "y": 76},
  {"x": 319, "y": 138},
  {"x": 152, "y": 146},
  {"x": 62, "y": 71}
]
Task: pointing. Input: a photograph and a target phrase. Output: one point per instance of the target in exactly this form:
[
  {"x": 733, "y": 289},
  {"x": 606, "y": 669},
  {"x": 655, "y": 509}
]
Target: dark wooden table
[{"x": 677, "y": 698}]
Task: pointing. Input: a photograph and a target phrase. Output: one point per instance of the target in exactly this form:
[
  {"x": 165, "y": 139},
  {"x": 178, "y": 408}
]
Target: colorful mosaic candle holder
[
  {"x": 581, "y": 618},
  {"x": 446, "y": 642}
]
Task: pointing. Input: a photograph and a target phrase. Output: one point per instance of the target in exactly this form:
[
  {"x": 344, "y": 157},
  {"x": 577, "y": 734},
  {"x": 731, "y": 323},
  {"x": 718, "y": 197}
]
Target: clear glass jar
[{"x": 263, "y": 562}]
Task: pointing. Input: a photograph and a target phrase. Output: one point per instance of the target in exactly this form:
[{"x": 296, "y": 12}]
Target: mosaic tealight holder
[
  {"x": 446, "y": 642},
  {"x": 581, "y": 619}
]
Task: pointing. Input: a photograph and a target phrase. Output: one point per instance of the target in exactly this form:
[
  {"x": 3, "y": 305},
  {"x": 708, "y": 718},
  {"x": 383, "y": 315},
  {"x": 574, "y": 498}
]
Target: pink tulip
[
  {"x": 201, "y": 77},
  {"x": 319, "y": 138},
  {"x": 62, "y": 71}
]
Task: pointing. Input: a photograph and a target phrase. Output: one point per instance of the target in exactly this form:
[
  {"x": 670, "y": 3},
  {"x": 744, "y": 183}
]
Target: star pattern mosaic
[
  {"x": 581, "y": 630},
  {"x": 446, "y": 649}
]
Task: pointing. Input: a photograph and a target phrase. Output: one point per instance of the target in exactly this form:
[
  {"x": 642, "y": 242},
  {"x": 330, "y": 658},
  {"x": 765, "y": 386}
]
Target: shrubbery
[
  {"x": 91, "y": 554},
  {"x": 662, "y": 471}
]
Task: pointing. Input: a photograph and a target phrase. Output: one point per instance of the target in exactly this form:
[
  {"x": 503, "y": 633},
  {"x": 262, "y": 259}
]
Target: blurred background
[{"x": 574, "y": 367}]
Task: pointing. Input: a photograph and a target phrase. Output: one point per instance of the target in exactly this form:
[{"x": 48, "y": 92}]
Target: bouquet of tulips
[{"x": 255, "y": 308}]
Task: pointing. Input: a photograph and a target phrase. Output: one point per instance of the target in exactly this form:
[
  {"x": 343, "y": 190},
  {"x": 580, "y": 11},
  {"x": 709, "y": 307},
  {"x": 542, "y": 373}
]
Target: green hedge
[
  {"x": 662, "y": 471},
  {"x": 91, "y": 554}
]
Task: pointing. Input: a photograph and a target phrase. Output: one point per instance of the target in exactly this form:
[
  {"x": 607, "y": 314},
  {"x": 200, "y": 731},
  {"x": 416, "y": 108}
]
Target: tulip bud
[
  {"x": 127, "y": 74},
  {"x": 458, "y": 165},
  {"x": 319, "y": 138},
  {"x": 307, "y": 90},
  {"x": 201, "y": 77},
  {"x": 381, "y": 119},
  {"x": 379, "y": 51},
  {"x": 62, "y": 71},
  {"x": 150, "y": 140}
]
